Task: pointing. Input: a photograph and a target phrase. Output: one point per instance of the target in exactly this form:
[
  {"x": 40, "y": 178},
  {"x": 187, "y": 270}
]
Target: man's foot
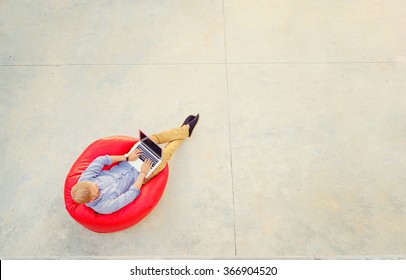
[
  {"x": 188, "y": 119},
  {"x": 192, "y": 124}
]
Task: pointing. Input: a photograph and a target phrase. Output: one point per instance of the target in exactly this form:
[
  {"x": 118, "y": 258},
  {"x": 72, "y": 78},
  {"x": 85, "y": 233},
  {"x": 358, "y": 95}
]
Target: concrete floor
[{"x": 301, "y": 147}]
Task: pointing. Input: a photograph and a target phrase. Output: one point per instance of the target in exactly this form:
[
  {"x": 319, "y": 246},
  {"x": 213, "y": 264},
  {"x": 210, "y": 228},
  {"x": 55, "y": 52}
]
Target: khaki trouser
[{"x": 174, "y": 137}]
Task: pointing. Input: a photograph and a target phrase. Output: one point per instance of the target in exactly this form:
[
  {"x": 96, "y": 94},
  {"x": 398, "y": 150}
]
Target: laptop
[{"x": 150, "y": 150}]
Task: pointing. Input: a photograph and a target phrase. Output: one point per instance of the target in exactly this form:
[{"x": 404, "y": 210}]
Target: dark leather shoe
[
  {"x": 188, "y": 119},
  {"x": 192, "y": 124}
]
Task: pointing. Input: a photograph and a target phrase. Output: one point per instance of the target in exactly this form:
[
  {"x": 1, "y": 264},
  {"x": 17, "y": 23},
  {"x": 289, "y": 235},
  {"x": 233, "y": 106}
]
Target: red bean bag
[{"x": 130, "y": 214}]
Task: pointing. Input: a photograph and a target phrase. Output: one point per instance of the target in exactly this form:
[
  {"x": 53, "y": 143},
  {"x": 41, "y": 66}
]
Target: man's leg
[
  {"x": 174, "y": 137},
  {"x": 178, "y": 133}
]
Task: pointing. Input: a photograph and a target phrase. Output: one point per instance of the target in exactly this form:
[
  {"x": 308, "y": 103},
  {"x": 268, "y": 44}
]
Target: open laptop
[{"x": 150, "y": 150}]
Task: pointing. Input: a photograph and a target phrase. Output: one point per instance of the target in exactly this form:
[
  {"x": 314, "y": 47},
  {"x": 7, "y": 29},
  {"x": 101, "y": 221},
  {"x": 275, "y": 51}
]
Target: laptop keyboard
[{"x": 146, "y": 154}]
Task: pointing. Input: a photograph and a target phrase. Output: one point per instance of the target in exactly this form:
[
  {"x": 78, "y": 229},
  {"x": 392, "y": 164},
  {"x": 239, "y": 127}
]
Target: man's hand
[
  {"x": 146, "y": 166},
  {"x": 134, "y": 155}
]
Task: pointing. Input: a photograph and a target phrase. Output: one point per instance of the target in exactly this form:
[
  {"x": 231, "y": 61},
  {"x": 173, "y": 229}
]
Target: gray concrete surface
[{"x": 301, "y": 147}]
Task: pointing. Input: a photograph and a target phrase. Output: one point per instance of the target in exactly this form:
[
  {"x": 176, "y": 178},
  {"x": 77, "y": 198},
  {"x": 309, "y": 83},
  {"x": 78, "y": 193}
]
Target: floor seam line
[
  {"x": 229, "y": 129},
  {"x": 197, "y": 63}
]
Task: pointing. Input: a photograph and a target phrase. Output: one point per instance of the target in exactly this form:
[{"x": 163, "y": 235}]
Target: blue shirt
[{"x": 116, "y": 185}]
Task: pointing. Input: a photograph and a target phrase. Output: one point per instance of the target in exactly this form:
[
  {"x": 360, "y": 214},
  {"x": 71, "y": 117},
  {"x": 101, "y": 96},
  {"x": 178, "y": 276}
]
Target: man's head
[{"x": 85, "y": 192}]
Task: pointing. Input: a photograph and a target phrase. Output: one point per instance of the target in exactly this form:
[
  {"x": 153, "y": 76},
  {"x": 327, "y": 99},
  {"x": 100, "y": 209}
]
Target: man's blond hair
[{"x": 81, "y": 192}]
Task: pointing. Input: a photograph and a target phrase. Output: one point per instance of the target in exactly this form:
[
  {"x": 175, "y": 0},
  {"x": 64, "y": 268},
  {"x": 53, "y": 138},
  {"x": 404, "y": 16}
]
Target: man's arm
[
  {"x": 93, "y": 170},
  {"x": 145, "y": 167},
  {"x": 131, "y": 156},
  {"x": 113, "y": 205},
  {"x": 115, "y": 159}
]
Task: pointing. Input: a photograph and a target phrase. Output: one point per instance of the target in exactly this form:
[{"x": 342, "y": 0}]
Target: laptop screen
[{"x": 151, "y": 144}]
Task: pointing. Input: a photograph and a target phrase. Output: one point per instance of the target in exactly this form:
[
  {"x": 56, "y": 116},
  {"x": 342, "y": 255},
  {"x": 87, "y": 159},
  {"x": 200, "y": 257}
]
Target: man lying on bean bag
[{"x": 106, "y": 191}]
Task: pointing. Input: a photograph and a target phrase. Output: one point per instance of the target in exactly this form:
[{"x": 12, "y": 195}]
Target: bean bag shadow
[{"x": 130, "y": 214}]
